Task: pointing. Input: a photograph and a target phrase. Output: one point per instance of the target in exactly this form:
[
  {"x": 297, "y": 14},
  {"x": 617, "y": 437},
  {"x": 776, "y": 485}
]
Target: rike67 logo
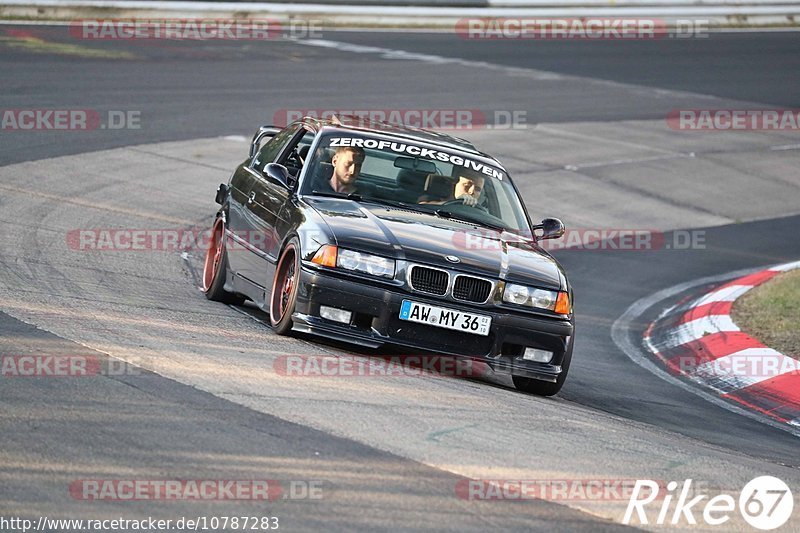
[{"x": 765, "y": 503}]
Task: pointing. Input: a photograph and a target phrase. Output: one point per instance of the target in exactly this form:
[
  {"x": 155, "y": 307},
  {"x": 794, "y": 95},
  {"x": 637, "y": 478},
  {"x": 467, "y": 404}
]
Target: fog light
[
  {"x": 337, "y": 315},
  {"x": 539, "y": 356}
]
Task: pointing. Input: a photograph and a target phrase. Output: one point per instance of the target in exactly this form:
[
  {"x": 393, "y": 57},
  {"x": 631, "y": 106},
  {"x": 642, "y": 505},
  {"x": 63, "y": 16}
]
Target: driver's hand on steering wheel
[
  {"x": 298, "y": 157},
  {"x": 468, "y": 200}
]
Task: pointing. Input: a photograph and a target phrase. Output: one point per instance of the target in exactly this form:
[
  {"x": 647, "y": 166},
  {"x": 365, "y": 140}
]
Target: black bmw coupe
[{"x": 377, "y": 234}]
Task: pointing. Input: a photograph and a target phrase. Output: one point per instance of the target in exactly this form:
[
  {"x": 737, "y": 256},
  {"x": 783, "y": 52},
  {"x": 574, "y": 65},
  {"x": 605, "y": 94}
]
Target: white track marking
[{"x": 725, "y": 294}]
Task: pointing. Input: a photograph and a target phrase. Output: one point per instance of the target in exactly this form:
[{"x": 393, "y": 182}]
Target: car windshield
[{"x": 446, "y": 184}]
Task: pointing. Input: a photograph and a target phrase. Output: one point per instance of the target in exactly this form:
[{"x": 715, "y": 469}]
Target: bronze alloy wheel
[
  {"x": 215, "y": 268},
  {"x": 213, "y": 255},
  {"x": 284, "y": 289}
]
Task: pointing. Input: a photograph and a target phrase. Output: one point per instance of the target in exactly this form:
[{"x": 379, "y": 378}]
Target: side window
[
  {"x": 269, "y": 152},
  {"x": 295, "y": 158}
]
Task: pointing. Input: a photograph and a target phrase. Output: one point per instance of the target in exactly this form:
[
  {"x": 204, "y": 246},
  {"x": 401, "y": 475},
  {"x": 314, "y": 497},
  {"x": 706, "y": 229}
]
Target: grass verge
[{"x": 771, "y": 313}]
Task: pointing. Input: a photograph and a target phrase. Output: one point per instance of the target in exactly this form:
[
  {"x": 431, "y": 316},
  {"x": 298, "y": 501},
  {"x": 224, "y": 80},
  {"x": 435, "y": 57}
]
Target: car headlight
[
  {"x": 539, "y": 298},
  {"x": 366, "y": 263},
  {"x": 373, "y": 265}
]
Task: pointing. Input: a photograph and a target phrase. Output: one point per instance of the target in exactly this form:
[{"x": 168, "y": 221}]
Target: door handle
[{"x": 252, "y": 197}]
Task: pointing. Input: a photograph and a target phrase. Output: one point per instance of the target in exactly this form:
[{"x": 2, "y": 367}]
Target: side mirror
[
  {"x": 280, "y": 174},
  {"x": 222, "y": 193},
  {"x": 263, "y": 131},
  {"x": 552, "y": 228}
]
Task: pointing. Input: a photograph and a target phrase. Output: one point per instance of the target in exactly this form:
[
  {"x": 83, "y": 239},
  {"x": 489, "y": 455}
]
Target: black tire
[
  {"x": 545, "y": 388},
  {"x": 215, "y": 268},
  {"x": 283, "y": 297}
]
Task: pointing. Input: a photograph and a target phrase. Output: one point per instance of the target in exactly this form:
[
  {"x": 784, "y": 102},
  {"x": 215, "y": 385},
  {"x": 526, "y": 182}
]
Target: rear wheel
[
  {"x": 215, "y": 268},
  {"x": 544, "y": 388},
  {"x": 284, "y": 289}
]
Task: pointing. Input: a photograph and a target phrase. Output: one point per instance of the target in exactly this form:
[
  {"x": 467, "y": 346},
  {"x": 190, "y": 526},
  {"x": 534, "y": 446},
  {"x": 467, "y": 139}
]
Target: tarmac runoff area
[{"x": 145, "y": 308}]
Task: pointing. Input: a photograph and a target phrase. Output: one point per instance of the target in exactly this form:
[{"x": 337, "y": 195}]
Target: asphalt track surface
[
  {"x": 189, "y": 90},
  {"x": 149, "y": 426}
]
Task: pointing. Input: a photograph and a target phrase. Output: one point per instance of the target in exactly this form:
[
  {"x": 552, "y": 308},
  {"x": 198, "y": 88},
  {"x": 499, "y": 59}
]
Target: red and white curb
[{"x": 699, "y": 340}]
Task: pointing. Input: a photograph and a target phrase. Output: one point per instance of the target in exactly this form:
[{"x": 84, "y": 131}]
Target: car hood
[{"x": 423, "y": 238}]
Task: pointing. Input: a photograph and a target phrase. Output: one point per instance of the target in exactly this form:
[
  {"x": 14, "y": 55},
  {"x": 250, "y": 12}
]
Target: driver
[{"x": 346, "y": 161}]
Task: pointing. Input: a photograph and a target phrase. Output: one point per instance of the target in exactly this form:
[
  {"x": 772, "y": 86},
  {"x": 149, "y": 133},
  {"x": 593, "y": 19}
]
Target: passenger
[{"x": 468, "y": 188}]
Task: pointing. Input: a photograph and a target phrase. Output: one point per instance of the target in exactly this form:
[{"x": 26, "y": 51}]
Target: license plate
[{"x": 445, "y": 318}]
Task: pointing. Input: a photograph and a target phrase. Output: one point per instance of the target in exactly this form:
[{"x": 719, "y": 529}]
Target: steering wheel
[{"x": 461, "y": 202}]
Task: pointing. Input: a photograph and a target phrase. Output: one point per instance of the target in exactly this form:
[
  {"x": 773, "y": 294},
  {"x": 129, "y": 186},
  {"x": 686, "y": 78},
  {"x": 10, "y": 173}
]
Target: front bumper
[{"x": 375, "y": 321}]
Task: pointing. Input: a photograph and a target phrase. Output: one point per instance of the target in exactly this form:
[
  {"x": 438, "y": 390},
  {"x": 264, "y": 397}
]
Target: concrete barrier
[{"x": 444, "y": 14}]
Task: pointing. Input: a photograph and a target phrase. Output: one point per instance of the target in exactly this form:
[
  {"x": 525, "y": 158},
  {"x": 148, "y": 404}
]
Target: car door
[
  {"x": 240, "y": 186},
  {"x": 277, "y": 197},
  {"x": 261, "y": 207}
]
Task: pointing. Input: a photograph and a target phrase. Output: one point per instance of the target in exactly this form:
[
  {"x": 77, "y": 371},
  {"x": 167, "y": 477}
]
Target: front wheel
[
  {"x": 284, "y": 288},
  {"x": 215, "y": 268},
  {"x": 544, "y": 388}
]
